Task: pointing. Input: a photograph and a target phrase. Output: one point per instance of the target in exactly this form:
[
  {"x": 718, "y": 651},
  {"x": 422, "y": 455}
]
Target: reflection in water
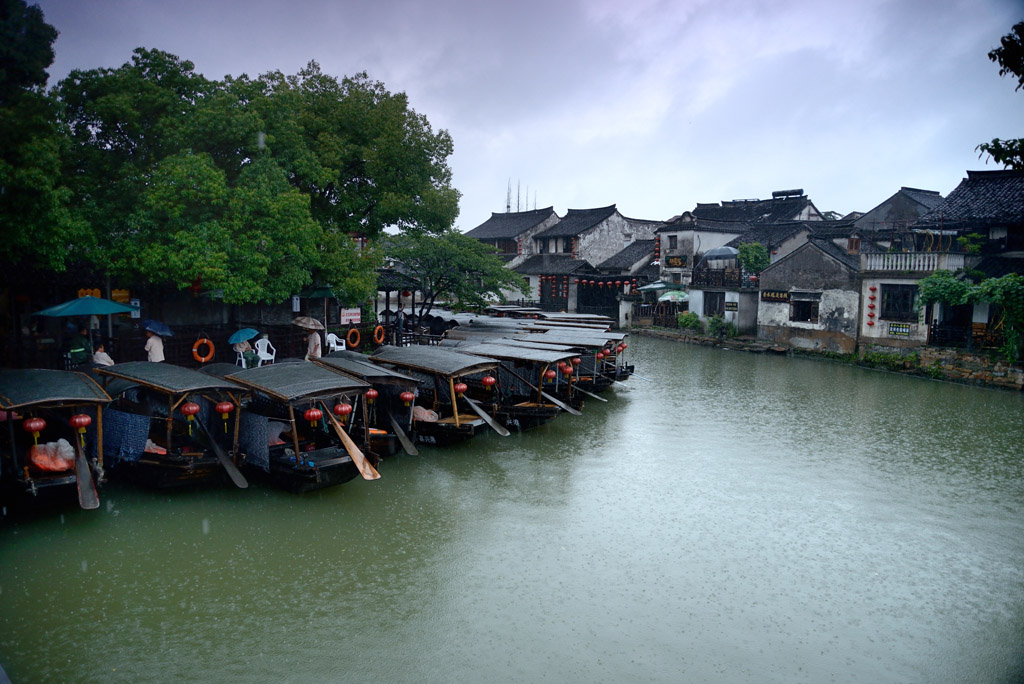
[{"x": 740, "y": 518}]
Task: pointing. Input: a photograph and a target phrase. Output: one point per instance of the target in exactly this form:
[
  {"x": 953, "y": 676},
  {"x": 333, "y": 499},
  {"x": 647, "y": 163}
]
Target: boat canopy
[
  {"x": 433, "y": 360},
  {"x": 357, "y": 365},
  {"x": 288, "y": 382},
  {"x": 584, "y": 339},
  {"x": 505, "y": 352},
  {"x": 37, "y": 386},
  {"x": 165, "y": 377}
]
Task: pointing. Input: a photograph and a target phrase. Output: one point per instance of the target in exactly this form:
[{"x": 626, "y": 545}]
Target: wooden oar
[
  {"x": 87, "y": 496},
  {"x": 228, "y": 465},
  {"x": 589, "y": 394},
  {"x": 366, "y": 468},
  {"x": 560, "y": 404},
  {"x": 487, "y": 419},
  {"x": 403, "y": 438}
]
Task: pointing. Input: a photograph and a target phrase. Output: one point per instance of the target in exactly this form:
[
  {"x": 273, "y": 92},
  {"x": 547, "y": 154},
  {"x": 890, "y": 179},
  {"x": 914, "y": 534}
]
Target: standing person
[
  {"x": 399, "y": 325},
  {"x": 314, "y": 345},
  {"x": 81, "y": 347},
  {"x": 154, "y": 347}
]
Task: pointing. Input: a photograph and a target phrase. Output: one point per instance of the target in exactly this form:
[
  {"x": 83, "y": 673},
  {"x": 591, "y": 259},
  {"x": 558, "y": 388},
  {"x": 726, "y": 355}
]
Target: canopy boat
[
  {"x": 171, "y": 426},
  {"x": 528, "y": 390},
  {"x": 602, "y": 354},
  {"x": 54, "y": 443},
  {"x": 389, "y": 416},
  {"x": 298, "y": 427},
  {"x": 438, "y": 414}
]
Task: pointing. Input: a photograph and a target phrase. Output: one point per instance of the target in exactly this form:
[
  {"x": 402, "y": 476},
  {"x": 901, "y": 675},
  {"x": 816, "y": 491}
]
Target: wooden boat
[
  {"x": 59, "y": 408},
  {"x": 439, "y": 414},
  {"x": 297, "y": 426},
  {"x": 170, "y": 426},
  {"x": 524, "y": 395},
  {"x": 388, "y": 417}
]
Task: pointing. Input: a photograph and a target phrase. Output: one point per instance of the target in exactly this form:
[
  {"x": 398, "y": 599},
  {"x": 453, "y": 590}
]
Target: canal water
[{"x": 738, "y": 518}]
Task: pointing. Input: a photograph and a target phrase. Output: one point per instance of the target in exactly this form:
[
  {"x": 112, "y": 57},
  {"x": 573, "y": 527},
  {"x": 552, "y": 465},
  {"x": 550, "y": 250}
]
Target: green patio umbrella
[{"x": 86, "y": 306}]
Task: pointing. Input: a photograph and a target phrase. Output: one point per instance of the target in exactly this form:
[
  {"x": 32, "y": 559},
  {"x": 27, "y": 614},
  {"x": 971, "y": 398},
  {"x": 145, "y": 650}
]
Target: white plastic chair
[
  {"x": 265, "y": 351},
  {"x": 240, "y": 359},
  {"x": 335, "y": 343}
]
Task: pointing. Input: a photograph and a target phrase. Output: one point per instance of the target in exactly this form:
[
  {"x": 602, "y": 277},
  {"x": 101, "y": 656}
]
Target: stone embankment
[{"x": 938, "y": 363}]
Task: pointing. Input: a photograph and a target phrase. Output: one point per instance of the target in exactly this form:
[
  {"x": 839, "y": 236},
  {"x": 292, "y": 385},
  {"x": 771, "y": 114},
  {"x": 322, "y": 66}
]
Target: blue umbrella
[
  {"x": 86, "y": 306},
  {"x": 243, "y": 335},
  {"x": 157, "y": 328}
]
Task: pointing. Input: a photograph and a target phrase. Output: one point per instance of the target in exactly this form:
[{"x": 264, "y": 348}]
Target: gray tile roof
[
  {"x": 552, "y": 264},
  {"x": 510, "y": 225},
  {"x": 628, "y": 257},
  {"x": 838, "y": 253},
  {"x": 983, "y": 198},
  {"x": 769, "y": 235},
  {"x": 929, "y": 198},
  {"x": 577, "y": 222},
  {"x": 777, "y": 209}
]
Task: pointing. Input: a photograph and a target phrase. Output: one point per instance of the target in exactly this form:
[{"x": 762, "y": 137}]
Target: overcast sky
[{"x": 652, "y": 105}]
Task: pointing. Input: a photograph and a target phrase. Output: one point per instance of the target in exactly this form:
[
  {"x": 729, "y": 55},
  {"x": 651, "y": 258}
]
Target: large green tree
[
  {"x": 36, "y": 227},
  {"x": 452, "y": 267},
  {"x": 1010, "y": 58},
  {"x": 253, "y": 187}
]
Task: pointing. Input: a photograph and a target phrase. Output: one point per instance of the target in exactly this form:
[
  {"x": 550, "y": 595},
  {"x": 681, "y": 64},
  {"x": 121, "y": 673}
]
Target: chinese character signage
[
  {"x": 901, "y": 329},
  {"x": 732, "y": 306},
  {"x": 349, "y": 316},
  {"x": 774, "y": 295},
  {"x": 675, "y": 261}
]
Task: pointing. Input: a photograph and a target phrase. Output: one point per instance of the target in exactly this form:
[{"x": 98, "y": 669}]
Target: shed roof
[{"x": 510, "y": 224}]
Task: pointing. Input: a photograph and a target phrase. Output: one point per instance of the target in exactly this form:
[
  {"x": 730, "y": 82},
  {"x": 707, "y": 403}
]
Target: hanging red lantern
[
  {"x": 549, "y": 374},
  {"x": 600, "y": 356},
  {"x": 371, "y": 394},
  {"x": 576, "y": 360},
  {"x": 460, "y": 388},
  {"x": 600, "y": 284},
  {"x": 224, "y": 408},
  {"x": 576, "y": 281},
  {"x": 871, "y": 306},
  {"x": 81, "y": 421},
  {"x": 566, "y": 369},
  {"x": 488, "y": 381},
  {"x": 622, "y": 347},
  {"x": 871, "y": 314},
  {"x": 872, "y": 297},
  {"x": 871, "y": 322},
  {"x": 406, "y": 293},
  {"x": 189, "y": 409},
  {"x": 872, "y": 288},
  {"x": 35, "y": 426},
  {"x": 313, "y": 415},
  {"x": 618, "y": 283},
  {"x": 342, "y": 411},
  {"x": 407, "y": 398}
]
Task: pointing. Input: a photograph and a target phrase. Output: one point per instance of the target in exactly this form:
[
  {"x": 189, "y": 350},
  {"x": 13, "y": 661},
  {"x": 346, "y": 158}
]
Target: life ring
[
  {"x": 195, "y": 350},
  {"x": 352, "y": 338},
  {"x": 378, "y": 334}
]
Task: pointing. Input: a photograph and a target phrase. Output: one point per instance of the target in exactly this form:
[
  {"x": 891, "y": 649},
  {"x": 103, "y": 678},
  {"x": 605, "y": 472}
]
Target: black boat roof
[
  {"x": 575, "y": 338},
  {"x": 360, "y": 366},
  {"x": 165, "y": 377},
  {"x": 497, "y": 349},
  {"x": 432, "y": 360},
  {"x": 39, "y": 386},
  {"x": 292, "y": 381}
]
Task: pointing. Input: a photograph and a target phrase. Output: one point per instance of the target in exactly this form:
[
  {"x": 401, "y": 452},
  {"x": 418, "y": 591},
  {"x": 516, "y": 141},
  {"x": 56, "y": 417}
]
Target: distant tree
[
  {"x": 450, "y": 266},
  {"x": 36, "y": 227},
  {"x": 754, "y": 257},
  {"x": 1010, "y": 58}
]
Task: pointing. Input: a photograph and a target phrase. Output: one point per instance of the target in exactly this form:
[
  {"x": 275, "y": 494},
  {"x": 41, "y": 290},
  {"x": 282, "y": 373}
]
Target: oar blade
[
  {"x": 487, "y": 418},
  {"x": 88, "y": 498},
  {"x": 561, "y": 404},
  {"x": 403, "y": 438},
  {"x": 225, "y": 461},
  {"x": 365, "y": 468}
]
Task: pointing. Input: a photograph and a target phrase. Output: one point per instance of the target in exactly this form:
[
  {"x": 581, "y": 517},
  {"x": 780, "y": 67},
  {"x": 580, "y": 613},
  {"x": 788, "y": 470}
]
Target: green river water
[{"x": 739, "y": 518}]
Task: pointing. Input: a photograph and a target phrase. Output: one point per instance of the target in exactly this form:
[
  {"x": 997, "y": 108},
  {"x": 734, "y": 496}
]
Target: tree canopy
[
  {"x": 450, "y": 266},
  {"x": 152, "y": 173},
  {"x": 754, "y": 257},
  {"x": 1010, "y": 58}
]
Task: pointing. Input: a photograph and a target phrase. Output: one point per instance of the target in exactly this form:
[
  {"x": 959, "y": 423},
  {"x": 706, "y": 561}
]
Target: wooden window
[
  {"x": 853, "y": 245},
  {"x": 803, "y": 311},
  {"x": 673, "y": 242},
  {"x": 714, "y": 303},
  {"x": 898, "y": 303}
]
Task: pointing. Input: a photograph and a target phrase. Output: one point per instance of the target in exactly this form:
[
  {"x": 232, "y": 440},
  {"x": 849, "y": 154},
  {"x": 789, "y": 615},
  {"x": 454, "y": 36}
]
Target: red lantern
[
  {"x": 371, "y": 394},
  {"x": 549, "y": 374},
  {"x": 342, "y": 411},
  {"x": 600, "y": 356},
  {"x": 224, "y": 408},
  {"x": 618, "y": 283},
  {"x": 35, "y": 426},
  {"x": 81, "y": 421},
  {"x": 872, "y": 297},
  {"x": 622, "y": 347},
  {"x": 872, "y": 288},
  {"x": 600, "y": 284},
  {"x": 576, "y": 282},
  {"x": 591, "y": 282},
  {"x": 488, "y": 381},
  {"x": 313, "y": 415},
  {"x": 406, "y": 293},
  {"x": 576, "y": 360},
  {"x": 460, "y": 388},
  {"x": 871, "y": 322},
  {"x": 871, "y": 314},
  {"x": 871, "y": 306},
  {"x": 407, "y": 398},
  {"x": 566, "y": 369},
  {"x": 189, "y": 409}
]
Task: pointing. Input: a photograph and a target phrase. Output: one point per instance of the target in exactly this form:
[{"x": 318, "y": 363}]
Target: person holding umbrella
[
  {"x": 311, "y": 325},
  {"x": 154, "y": 347},
  {"x": 239, "y": 341}
]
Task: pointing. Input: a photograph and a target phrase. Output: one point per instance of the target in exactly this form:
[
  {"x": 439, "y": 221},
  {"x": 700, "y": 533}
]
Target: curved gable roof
[
  {"x": 510, "y": 224},
  {"x": 578, "y": 221}
]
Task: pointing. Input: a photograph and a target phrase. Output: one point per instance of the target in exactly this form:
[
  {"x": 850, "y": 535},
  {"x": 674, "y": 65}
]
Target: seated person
[{"x": 101, "y": 357}]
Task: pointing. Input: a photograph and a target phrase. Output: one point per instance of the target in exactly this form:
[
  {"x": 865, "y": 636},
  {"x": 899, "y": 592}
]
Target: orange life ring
[
  {"x": 352, "y": 338},
  {"x": 378, "y": 334},
  {"x": 195, "y": 350}
]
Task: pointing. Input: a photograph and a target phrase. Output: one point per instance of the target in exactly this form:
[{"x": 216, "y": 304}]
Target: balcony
[
  {"x": 733, "y": 278},
  {"x": 915, "y": 262}
]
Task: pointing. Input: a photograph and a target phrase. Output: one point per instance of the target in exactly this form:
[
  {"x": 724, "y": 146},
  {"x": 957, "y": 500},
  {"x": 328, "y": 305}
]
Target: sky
[{"x": 651, "y": 105}]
